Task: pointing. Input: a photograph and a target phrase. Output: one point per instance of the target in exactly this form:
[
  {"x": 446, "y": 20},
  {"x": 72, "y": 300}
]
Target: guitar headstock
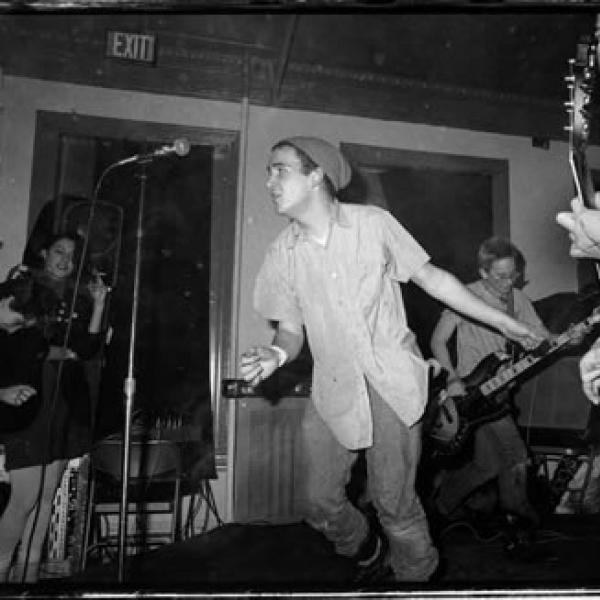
[
  {"x": 580, "y": 330},
  {"x": 580, "y": 83}
]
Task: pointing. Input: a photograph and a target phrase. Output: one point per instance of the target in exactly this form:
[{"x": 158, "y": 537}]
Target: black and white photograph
[{"x": 300, "y": 298}]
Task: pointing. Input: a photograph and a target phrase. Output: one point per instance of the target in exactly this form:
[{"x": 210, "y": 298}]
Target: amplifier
[{"x": 65, "y": 530}]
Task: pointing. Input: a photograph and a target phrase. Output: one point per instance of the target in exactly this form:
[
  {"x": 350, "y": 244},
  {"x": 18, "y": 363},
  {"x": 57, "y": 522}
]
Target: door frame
[
  {"x": 50, "y": 125},
  {"x": 377, "y": 157}
]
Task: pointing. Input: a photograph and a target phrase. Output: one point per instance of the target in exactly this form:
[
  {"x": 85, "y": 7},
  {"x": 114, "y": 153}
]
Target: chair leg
[
  {"x": 588, "y": 460},
  {"x": 176, "y": 511}
]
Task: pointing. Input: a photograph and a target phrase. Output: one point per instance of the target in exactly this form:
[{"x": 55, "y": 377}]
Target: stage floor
[{"x": 295, "y": 558}]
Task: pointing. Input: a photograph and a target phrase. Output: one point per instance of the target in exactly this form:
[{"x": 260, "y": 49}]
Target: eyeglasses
[{"x": 504, "y": 276}]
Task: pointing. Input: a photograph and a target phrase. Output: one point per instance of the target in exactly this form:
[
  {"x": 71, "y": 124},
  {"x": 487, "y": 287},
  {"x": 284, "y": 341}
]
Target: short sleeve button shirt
[
  {"x": 475, "y": 340},
  {"x": 346, "y": 294}
]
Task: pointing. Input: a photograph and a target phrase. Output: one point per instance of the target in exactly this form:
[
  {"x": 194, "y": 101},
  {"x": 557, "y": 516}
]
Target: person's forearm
[
  {"x": 260, "y": 362},
  {"x": 441, "y": 354},
  {"x": 290, "y": 342},
  {"x": 447, "y": 288},
  {"x": 96, "y": 319}
]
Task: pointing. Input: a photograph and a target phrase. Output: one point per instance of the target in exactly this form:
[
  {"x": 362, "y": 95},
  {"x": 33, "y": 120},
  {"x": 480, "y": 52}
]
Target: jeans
[
  {"x": 391, "y": 468},
  {"x": 498, "y": 452}
]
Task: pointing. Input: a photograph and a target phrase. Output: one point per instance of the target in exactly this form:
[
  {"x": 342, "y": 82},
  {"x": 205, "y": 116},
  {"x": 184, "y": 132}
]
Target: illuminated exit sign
[{"x": 138, "y": 47}]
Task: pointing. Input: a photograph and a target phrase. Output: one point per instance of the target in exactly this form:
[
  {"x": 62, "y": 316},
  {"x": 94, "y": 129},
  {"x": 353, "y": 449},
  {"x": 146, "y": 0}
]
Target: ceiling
[
  {"x": 513, "y": 53},
  {"x": 493, "y": 70}
]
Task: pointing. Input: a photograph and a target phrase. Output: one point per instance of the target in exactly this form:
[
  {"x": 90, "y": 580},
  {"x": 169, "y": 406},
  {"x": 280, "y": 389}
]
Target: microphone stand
[{"x": 129, "y": 382}]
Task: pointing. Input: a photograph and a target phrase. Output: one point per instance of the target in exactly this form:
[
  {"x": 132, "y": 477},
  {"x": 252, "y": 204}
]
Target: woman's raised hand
[{"x": 98, "y": 289}]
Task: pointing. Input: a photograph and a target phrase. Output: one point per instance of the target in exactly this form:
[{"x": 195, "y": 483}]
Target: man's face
[
  {"x": 9, "y": 319},
  {"x": 288, "y": 187},
  {"x": 501, "y": 275}
]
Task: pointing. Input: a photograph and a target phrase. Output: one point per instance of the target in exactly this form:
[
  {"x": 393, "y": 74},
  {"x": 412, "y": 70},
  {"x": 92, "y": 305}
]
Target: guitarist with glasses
[{"x": 499, "y": 456}]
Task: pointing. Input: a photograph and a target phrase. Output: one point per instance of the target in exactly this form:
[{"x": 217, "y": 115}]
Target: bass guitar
[{"x": 458, "y": 417}]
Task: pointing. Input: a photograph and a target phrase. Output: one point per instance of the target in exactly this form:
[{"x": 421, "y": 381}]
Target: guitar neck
[
  {"x": 582, "y": 178},
  {"x": 507, "y": 375},
  {"x": 491, "y": 386}
]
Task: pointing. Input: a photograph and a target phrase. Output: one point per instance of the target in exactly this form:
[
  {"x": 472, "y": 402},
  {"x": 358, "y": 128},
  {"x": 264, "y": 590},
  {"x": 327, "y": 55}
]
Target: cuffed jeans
[{"x": 391, "y": 468}]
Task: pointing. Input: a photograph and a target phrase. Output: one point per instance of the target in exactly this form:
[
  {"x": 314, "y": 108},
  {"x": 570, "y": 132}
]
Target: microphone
[{"x": 180, "y": 147}]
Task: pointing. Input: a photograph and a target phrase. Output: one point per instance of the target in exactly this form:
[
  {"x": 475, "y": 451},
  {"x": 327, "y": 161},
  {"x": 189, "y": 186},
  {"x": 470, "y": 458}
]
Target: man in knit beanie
[{"x": 333, "y": 272}]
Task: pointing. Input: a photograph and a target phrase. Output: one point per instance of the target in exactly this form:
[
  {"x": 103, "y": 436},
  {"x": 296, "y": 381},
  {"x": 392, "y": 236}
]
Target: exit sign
[{"x": 138, "y": 47}]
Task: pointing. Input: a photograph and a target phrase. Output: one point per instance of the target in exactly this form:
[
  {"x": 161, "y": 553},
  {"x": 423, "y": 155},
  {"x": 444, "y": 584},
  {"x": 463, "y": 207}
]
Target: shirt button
[{"x": 334, "y": 275}]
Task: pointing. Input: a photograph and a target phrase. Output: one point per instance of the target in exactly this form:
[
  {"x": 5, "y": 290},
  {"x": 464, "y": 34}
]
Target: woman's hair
[
  {"x": 51, "y": 239},
  {"x": 307, "y": 164},
  {"x": 496, "y": 248}
]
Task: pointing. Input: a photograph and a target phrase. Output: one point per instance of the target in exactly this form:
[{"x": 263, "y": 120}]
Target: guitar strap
[
  {"x": 510, "y": 304},
  {"x": 510, "y": 311}
]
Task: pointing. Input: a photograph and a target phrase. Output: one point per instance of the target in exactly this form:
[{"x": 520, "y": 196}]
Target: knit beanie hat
[{"x": 326, "y": 156}]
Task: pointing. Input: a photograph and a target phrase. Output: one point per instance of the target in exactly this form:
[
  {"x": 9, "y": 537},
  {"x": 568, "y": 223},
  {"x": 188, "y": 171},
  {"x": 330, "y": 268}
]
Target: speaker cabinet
[{"x": 553, "y": 400}]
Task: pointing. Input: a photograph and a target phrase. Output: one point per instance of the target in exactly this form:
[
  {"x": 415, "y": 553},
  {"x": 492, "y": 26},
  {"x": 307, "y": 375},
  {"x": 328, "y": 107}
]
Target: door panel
[{"x": 183, "y": 325}]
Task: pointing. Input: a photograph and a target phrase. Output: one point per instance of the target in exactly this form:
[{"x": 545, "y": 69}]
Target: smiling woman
[{"x": 61, "y": 427}]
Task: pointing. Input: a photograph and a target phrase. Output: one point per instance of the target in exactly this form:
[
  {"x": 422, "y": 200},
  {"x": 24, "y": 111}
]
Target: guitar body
[{"x": 459, "y": 416}]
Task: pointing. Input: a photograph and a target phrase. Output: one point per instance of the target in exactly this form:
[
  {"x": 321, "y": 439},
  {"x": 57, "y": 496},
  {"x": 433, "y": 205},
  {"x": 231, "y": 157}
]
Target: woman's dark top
[
  {"x": 22, "y": 354},
  {"x": 62, "y": 427}
]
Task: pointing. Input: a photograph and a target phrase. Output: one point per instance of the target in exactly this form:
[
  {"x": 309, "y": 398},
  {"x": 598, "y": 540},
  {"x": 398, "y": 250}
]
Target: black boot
[
  {"x": 371, "y": 560},
  {"x": 521, "y": 544}
]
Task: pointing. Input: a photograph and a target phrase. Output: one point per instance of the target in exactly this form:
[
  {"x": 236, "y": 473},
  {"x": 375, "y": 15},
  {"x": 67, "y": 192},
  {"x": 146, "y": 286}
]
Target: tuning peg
[
  {"x": 569, "y": 78},
  {"x": 569, "y": 105},
  {"x": 568, "y": 128}
]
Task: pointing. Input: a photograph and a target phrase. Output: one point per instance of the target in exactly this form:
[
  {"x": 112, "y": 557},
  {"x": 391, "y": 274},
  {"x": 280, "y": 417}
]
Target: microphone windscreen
[{"x": 182, "y": 146}]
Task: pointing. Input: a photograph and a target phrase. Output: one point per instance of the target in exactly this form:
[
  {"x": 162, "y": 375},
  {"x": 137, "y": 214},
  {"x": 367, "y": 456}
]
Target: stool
[{"x": 153, "y": 466}]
